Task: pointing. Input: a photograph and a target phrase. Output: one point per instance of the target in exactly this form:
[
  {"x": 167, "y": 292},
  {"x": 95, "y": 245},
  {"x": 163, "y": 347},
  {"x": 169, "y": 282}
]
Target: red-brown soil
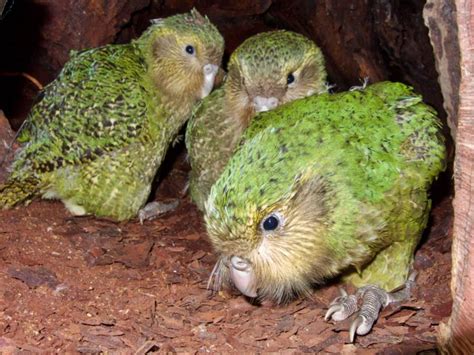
[{"x": 89, "y": 285}]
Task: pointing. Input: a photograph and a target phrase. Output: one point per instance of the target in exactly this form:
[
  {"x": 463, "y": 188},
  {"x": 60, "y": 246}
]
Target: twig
[{"x": 25, "y": 75}]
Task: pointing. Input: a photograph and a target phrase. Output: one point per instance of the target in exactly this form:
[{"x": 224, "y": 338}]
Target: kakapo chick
[
  {"x": 324, "y": 186},
  {"x": 266, "y": 70},
  {"x": 101, "y": 129}
]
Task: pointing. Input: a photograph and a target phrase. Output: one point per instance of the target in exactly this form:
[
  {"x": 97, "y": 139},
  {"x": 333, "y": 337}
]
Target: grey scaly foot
[
  {"x": 365, "y": 82},
  {"x": 155, "y": 209},
  {"x": 342, "y": 307},
  {"x": 373, "y": 299}
]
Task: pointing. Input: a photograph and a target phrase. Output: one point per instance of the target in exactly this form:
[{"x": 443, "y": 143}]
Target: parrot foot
[
  {"x": 372, "y": 299},
  {"x": 327, "y": 88},
  {"x": 365, "y": 82},
  {"x": 155, "y": 209}
]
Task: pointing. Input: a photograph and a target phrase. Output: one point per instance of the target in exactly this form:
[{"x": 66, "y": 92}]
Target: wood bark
[
  {"x": 379, "y": 39},
  {"x": 440, "y": 18},
  {"x": 457, "y": 336}
]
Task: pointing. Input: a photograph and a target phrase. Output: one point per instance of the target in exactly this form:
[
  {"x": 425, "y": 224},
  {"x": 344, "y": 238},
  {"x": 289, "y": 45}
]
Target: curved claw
[
  {"x": 361, "y": 326},
  {"x": 342, "y": 307},
  {"x": 340, "y": 299},
  {"x": 343, "y": 292},
  {"x": 372, "y": 298},
  {"x": 354, "y": 325},
  {"x": 331, "y": 310}
]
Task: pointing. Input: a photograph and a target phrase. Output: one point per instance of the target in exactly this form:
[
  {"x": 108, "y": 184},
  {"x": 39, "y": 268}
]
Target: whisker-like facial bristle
[{"x": 216, "y": 279}]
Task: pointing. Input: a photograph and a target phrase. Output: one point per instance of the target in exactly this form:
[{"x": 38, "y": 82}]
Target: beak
[
  {"x": 262, "y": 104},
  {"x": 242, "y": 276},
  {"x": 209, "y": 72}
]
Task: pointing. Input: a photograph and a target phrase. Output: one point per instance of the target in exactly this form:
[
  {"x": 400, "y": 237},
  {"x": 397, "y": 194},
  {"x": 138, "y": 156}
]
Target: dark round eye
[
  {"x": 270, "y": 223},
  {"x": 189, "y": 49},
  {"x": 290, "y": 79}
]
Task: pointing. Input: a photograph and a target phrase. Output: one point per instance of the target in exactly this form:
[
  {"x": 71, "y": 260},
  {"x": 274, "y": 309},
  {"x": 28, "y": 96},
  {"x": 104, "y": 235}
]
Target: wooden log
[
  {"x": 457, "y": 336},
  {"x": 440, "y": 18}
]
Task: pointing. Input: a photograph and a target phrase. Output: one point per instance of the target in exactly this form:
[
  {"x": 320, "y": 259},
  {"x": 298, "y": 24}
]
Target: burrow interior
[{"x": 92, "y": 285}]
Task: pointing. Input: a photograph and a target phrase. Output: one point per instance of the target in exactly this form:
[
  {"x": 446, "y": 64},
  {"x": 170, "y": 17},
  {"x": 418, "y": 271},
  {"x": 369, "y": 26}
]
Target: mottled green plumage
[
  {"x": 347, "y": 177},
  {"x": 100, "y": 130},
  {"x": 259, "y": 67}
]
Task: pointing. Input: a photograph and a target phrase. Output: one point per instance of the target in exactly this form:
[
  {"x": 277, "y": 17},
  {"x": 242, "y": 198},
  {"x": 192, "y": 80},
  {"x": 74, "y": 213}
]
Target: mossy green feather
[
  {"x": 366, "y": 158},
  {"x": 98, "y": 133}
]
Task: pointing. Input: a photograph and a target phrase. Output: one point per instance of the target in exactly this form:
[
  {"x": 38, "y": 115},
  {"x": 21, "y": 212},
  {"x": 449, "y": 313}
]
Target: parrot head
[
  {"x": 273, "y": 68},
  {"x": 184, "y": 53},
  {"x": 268, "y": 218}
]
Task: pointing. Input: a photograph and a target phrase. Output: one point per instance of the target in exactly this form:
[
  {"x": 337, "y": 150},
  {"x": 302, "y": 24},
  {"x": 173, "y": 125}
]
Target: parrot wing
[
  {"x": 205, "y": 135},
  {"x": 204, "y": 119},
  {"x": 96, "y": 105}
]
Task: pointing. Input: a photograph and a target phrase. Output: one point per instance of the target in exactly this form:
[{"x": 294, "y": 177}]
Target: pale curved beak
[
  {"x": 210, "y": 72},
  {"x": 242, "y": 276},
  {"x": 262, "y": 104}
]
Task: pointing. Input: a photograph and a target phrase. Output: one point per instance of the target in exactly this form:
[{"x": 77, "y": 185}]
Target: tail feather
[{"x": 16, "y": 191}]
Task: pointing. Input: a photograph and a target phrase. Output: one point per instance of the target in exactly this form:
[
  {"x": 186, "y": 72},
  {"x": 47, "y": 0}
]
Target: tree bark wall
[
  {"x": 380, "y": 39},
  {"x": 440, "y": 18},
  {"x": 457, "y": 336}
]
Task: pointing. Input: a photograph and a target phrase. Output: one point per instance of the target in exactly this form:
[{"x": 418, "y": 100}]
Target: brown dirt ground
[{"x": 90, "y": 285}]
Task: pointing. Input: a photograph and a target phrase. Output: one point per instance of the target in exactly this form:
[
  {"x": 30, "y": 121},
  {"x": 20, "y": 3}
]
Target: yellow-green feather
[
  {"x": 100, "y": 130},
  {"x": 350, "y": 172},
  {"x": 215, "y": 128}
]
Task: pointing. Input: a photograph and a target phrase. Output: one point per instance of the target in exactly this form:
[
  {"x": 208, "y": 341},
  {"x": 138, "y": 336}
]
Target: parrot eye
[
  {"x": 290, "y": 79},
  {"x": 271, "y": 223},
  {"x": 189, "y": 49}
]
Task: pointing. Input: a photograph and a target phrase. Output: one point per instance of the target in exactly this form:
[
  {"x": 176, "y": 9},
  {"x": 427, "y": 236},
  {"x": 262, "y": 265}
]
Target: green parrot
[
  {"x": 324, "y": 186},
  {"x": 266, "y": 70},
  {"x": 99, "y": 133}
]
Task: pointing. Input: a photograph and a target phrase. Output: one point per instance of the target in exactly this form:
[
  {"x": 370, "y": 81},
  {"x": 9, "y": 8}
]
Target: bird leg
[
  {"x": 155, "y": 209},
  {"x": 372, "y": 300}
]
